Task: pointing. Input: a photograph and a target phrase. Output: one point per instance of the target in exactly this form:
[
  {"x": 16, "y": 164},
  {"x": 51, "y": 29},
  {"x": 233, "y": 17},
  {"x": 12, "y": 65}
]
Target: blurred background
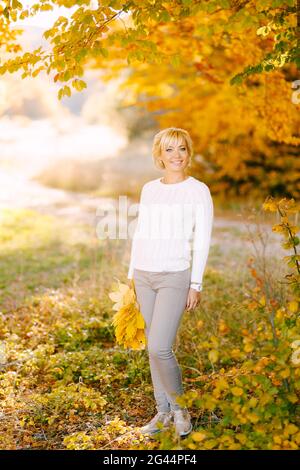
[
  {"x": 54, "y": 154},
  {"x": 85, "y": 143},
  {"x": 97, "y": 142}
]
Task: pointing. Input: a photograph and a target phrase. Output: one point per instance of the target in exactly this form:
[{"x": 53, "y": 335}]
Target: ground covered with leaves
[{"x": 66, "y": 384}]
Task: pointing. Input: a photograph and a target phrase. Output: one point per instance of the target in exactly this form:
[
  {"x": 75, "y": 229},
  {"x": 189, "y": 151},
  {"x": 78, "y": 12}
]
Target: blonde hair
[{"x": 163, "y": 138}]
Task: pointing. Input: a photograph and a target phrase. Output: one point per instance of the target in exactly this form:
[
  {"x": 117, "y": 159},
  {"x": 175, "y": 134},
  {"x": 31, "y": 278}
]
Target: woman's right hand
[{"x": 193, "y": 299}]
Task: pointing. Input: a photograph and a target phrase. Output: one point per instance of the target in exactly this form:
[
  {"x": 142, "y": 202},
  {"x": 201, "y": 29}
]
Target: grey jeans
[{"x": 162, "y": 297}]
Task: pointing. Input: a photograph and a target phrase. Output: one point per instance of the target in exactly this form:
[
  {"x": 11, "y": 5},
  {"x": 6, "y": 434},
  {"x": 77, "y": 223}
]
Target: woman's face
[{"x": 175, "y": 156}]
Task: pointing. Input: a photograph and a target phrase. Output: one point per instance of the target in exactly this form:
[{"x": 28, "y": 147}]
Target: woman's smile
[{"x": 176, "y": 162}]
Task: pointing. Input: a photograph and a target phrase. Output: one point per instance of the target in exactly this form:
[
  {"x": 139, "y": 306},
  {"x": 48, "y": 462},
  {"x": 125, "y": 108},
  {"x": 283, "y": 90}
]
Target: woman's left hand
[{"x": 193, "y": 299}]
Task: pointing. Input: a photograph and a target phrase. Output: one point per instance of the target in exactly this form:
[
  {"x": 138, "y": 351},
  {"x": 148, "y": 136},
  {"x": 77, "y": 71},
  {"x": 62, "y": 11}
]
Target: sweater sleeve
[
  {"x": 204, "y": 214},
  {"x": 132, "y": 253}
]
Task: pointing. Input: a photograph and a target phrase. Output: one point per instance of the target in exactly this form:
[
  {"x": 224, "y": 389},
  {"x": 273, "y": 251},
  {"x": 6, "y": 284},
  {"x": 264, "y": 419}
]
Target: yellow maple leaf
[{"x": 123, "y": 296}]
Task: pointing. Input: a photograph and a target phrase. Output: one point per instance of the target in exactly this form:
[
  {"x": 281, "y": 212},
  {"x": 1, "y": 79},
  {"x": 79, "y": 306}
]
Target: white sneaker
[
  {"x": 163, "y": 417},
  {"x": 182, "y": 422}
]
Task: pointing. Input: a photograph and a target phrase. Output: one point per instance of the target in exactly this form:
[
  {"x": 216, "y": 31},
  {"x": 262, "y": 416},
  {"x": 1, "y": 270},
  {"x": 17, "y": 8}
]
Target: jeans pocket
[{"x": 179, "y": 279}]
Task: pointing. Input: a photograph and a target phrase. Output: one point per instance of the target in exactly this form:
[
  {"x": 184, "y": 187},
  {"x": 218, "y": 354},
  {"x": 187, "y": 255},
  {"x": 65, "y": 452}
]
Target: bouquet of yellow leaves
[{"x": 128, "y": 321}]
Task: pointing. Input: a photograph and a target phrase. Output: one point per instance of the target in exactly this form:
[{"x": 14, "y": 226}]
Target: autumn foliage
[
  {"x": 66, "y": 383},
  {"x": 225, "y": 70}
]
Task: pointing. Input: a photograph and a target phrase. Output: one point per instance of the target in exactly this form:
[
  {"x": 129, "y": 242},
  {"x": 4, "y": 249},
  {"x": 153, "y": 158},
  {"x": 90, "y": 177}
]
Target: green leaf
[
  {"x": 67, "y": 90},
  {"x": 6, "y": 12},
  {"x": 175, "y": 60},
  {"x": 104, "y": 52},
  {"x": 164, "y": 16},
  {"x": 81, "y": 54},
  {"x": 237, "y": 79},
  {"x": 88, "y": 19},
  {"x": 224, "y": 3},
  {"x": 79, "y": 84},
  {"x": 67, "y": 75}
]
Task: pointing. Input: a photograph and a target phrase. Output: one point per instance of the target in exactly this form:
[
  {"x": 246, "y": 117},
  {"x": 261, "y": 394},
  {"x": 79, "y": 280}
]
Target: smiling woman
[
  {"x": 174, "y": 147},
  {"x": 165, "y": 281}
]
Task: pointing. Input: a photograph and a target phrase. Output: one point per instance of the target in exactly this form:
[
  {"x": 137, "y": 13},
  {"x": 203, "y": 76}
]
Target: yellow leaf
[
  {"x": 123, "y": 295},
  {"x": 235, "y": 353},
  {"x": 210, "y": 444},
  {"x": 198, "y": 436},
  {"x": 128, "y": 321},
  {"x": 117, "y": 306},
  {"x": 270, "y": 205},
  {"x": 293, "y": 306},
  {"x": 262, "y": 300},
  {"x": 129, "y": 296},
  {"x": 213, "y": 355},
  {"x": 241, "y": 437},
  {"x": 192, "y": 446},
  {"x": 237, "y": 391},
  {"x": 123, "y": 288},
  {"x": 291, "y": 429},
  {"x": 265, "y": 398},
  {"x": 279, "y": 313},
  {"x": 253, "y": 402},
  {"x": 296, "y": 437},
  {"x": 223, "y": 328},
  {"x": 249, "y": 347},
  {"x": 115, "y": 296},
  {"x": 140, "y": 321},
  {"x": 292, "y": 397},
  {"x": 222, "y": 384},
  {"x": 285, "y": 373},
  {"x": 234, "y": 446}
]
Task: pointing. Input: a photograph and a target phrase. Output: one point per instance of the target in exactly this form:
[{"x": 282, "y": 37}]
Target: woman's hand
[{"x": 193, "y": 299}]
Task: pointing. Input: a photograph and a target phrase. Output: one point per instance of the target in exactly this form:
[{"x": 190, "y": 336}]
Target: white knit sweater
[{"x": 173, "y": 228}]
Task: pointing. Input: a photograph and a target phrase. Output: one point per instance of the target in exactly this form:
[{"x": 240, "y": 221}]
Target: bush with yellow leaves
[{"x": 128, "y": 321}]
